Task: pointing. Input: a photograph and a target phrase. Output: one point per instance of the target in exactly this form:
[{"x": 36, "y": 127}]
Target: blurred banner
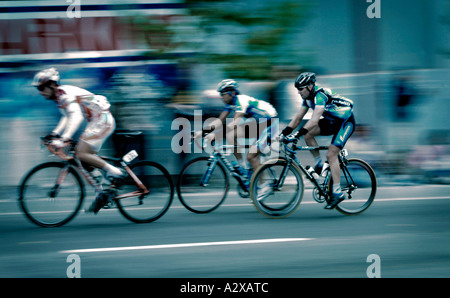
[{"x": 36, "y": 27}]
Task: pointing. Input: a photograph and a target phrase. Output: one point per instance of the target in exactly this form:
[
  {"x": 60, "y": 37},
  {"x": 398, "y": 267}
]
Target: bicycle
[
  {"x": 52, "y": 193},
  {"x": 277, "y": 187},
  {"x": 203, "y": 183}
]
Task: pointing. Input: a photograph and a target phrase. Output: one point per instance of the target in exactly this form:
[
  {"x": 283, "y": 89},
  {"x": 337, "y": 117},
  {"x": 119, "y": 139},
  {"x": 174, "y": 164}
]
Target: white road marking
[{"x": 182, "y": 245}]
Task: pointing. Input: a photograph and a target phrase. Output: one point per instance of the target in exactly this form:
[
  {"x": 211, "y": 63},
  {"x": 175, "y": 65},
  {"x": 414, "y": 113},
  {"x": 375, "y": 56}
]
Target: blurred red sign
[{"x": 33, "y": 36}]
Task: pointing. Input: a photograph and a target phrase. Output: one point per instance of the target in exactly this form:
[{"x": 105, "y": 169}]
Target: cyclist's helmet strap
[
  {"x": 228, "y": 85},
  {"x": 305, "y": 79},
  {"x": 45, "y": 76}
]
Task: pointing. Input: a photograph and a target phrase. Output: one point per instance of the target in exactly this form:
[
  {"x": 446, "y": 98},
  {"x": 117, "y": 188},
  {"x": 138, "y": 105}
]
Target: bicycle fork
[
  {"x": 59, "y": 180},
  {"x": 207, "y": 175}
]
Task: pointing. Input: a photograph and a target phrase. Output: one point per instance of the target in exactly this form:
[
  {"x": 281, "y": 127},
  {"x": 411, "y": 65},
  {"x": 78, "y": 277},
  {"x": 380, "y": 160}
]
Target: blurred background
[{"x": 160, "y": 60}]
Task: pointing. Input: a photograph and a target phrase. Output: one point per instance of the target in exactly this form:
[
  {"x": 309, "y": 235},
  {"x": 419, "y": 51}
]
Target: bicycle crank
[{"x": 317, "y": 196}]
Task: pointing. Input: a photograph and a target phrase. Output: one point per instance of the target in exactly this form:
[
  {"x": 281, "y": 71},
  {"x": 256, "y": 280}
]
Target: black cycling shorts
[{"x": 340, "y": 129}]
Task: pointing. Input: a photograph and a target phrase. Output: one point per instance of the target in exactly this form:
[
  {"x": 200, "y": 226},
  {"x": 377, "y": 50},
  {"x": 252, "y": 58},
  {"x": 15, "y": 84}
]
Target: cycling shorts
[
  {"x": 268, "y": 135},
  {"x": 341, "y": 130},
  {"x": 98, "y": 130}
]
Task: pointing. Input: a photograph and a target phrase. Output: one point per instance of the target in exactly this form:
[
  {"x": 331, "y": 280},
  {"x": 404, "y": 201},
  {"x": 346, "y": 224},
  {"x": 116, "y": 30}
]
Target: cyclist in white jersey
[
  {"x": 76, "y": 106},
  {"x": 248, "y": 107}
]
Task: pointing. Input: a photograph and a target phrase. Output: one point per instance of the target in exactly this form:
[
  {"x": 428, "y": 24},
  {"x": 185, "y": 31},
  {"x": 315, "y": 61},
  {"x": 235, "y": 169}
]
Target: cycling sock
[
  {"x": 244, "y": 164},
  {"x": 112, "y": 171},
  {"x": 337, "y": 188}
]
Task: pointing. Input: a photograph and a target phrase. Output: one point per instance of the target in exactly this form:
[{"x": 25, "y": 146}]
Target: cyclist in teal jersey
[
  {"x": 332, "y": 115},
  {"x": 244, "y": 106}
]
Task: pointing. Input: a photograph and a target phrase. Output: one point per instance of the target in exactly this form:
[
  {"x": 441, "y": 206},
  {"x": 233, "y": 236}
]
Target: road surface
[{"x": 405, "y": 233}]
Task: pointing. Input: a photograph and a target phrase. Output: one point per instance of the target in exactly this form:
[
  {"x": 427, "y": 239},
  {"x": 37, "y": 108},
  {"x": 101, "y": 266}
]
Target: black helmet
[{"x": 305, "y": 79}]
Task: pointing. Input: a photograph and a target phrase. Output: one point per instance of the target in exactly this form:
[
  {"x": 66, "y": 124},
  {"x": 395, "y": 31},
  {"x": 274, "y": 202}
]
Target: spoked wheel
[
  {"x": 201, "y": 190},
  {"x": 51, "y": 194},
  {"x": 359, "y": 185},
  {"x": 149, "y": 207},
  {"x": 276, "y": 189}
]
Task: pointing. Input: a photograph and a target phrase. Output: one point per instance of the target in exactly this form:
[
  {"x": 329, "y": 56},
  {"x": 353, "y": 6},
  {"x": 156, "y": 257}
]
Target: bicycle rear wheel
[
  {"x": 201, "y": 197},
  {"x": 48, "y": 202},
  {"x": 149, "y": 207},
  {"x": 276, "y": 189},
  {"x": 359, "y": 184}
]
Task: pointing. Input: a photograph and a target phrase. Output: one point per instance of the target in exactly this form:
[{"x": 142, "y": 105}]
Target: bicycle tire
[
  {"x": 365, "y": 179},
  {"x": 279, "y": 204},
  {"x": 36, "y": 189},
  {"x": 152, "y": 206},
  {"x": 197, "y": 198}
]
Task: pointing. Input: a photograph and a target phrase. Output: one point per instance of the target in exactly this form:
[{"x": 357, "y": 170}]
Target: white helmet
[
  {"x": 227, "y": 85},
  {"x": 46, "y": 75}
]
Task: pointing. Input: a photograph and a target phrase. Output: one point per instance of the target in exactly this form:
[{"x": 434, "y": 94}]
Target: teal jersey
[{"x": 336, "y": 106}]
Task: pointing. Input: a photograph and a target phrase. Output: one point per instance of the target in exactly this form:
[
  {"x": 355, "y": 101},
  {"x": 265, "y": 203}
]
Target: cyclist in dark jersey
[{"x": 332, "y": 115}]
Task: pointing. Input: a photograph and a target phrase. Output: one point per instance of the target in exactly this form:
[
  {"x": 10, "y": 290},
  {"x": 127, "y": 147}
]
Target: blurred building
[{"x": 115, "y": 48}]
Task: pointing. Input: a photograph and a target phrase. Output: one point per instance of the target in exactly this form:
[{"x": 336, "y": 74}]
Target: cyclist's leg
[
  {"x": 310, "y": 140},
  {"x": 269, "y": 131},
  {"x": 337, "y": 144},
  {"x": 92, "y": 140},
  {"x": 239, "y": 132}
]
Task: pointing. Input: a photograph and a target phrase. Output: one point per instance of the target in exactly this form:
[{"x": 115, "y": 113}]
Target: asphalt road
[{"x": 405, "y": 233}]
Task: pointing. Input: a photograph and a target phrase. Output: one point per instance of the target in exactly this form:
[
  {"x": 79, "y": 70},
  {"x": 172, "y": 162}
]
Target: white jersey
[
  {"x": 251, "y": 107},
  {"x": 77, "y": 104}
]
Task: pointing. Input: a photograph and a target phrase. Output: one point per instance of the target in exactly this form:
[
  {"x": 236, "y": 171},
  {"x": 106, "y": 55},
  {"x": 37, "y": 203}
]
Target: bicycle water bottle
[
  {"x": 312, "y": 172},
  {"x": 325, "y": 169}
]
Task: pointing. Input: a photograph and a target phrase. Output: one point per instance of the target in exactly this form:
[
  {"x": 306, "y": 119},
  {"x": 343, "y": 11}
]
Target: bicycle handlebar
[
  {"x": 214, "y": 146},
  {"x": 59, "y": 151},
  {"x": 300, "y": 148}
]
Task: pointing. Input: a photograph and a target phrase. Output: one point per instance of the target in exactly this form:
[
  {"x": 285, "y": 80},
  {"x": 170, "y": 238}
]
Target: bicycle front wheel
[
  {"x": 202, "y": 187},
  {"x": 145, "y": 208},
  {"x": 49, "y": 196},
  {"x": 277, "y": 189},
  {"x": 359, "y": 184}
]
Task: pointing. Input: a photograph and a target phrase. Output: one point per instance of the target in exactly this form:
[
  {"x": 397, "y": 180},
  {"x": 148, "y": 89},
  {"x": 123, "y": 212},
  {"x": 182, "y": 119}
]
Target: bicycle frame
[
  {"x": 290, "y": 155},
  {"x": 321, "y": 187},
  {"x": 219, "y": 154},
  {"x": 71, "y": 161}
]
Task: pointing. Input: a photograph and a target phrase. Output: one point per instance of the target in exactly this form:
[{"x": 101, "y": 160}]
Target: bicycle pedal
[{"x": 109, "y": 205}]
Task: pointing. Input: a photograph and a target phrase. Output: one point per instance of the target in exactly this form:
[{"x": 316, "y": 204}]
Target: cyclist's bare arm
[
  {"x": 70, "y": 122},
  {"x": 314, "y": 121},
  {"x": 215, "y": 125},
  {"x": 298, "y": 117},
  {"x": 235, "y": 122}
]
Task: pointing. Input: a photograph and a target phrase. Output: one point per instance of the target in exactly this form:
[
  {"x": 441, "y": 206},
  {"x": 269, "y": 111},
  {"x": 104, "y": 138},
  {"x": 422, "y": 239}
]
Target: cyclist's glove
[
  {"x": 58, "y": 143},
  {"x": 284, "y": 133},
  {"x": 292, "y": 137},
  {"x": 51, "y": 136},
  {"x": 302, "y": 131}
]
